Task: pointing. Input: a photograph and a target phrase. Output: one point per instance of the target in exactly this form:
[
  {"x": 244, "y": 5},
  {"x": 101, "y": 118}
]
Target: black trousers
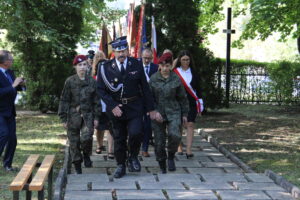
[
  {"x": 8, "y": 139},
  {"x": 123, "y": 129},
  {"x": 147, "y": 129}
]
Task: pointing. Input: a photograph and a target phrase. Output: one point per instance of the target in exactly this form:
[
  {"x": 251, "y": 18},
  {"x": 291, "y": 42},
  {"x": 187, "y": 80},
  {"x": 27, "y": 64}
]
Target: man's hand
[
  {"x": 96, "y": 123},
  {"x": 158, "y": 117},
  {"x": 65, "y": 125},
  {"x": 117, "y": 111},
  {"x": 17, "y": 82},
  {"x": 152, "y": 114}
]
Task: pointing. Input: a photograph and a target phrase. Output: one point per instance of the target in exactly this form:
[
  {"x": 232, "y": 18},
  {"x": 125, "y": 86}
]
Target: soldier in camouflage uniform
[
  {"x": 171, "y": 107},
  {"x": 78, "y": 111}
]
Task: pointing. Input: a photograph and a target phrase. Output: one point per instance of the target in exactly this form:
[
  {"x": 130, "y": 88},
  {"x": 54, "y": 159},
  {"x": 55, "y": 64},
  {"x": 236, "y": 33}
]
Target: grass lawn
[
  {"x": 37, "y": 134},
  {"x": 263, "y": 136}
]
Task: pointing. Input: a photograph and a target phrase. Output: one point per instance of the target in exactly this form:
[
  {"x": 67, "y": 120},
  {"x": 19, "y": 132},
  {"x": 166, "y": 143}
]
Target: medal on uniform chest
[
  {"x": 116, "y": 79},
  {"x": 129, "y": 63},
  {"x": 113, "y": 65}
]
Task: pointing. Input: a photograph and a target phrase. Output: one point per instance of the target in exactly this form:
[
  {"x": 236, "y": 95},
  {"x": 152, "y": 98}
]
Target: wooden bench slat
[
  {"x": 22, "y": 177},
  {"x": 42, "y": 173}
]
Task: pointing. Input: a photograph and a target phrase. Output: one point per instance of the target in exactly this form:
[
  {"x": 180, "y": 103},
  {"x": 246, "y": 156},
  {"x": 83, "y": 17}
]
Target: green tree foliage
[
  {"x": 210, "y": 15},
  {"x": 283, "y": 75},
  {"x": 267, "y": 17},
  {"x": 44, "y": 35},
  {"x": 177, "y": 29},
  {"x": 95, "y": 13}
]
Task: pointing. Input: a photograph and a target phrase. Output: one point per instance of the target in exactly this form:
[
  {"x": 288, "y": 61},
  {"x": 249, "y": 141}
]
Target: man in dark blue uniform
[{"x": 123, "y": 87}]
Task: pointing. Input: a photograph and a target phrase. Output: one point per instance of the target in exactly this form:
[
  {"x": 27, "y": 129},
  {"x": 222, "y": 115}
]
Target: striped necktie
[{"x": 147, "y": 70}]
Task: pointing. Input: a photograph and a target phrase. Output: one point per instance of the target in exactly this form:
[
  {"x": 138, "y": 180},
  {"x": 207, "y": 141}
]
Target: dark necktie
[
  {"x": 122, "y": 69},
  {"x": 8, "y": 77},
  {"x": 147, "y": 70}
]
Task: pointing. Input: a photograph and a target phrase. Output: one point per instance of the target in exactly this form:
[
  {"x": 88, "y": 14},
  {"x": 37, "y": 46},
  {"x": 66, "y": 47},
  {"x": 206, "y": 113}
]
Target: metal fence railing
[{"x": 252, "y": 84}]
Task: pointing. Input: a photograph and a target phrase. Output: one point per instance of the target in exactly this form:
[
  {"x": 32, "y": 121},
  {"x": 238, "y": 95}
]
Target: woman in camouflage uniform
[
  {"x": 78, "y": 110},
  {"x": 171, "y": 107}
]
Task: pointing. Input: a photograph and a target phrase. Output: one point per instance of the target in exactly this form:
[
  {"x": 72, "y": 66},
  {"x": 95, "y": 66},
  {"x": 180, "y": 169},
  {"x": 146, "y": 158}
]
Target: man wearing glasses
[
  {"x": 8, "y": 92},
  {"x": 149, "y": 68}
]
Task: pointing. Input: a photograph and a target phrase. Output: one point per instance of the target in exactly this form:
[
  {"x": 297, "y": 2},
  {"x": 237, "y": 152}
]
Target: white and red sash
[{"x": 190, "y": 90}]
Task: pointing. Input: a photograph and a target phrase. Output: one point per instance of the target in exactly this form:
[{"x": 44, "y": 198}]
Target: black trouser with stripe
[{"x": 131, "y": 128}]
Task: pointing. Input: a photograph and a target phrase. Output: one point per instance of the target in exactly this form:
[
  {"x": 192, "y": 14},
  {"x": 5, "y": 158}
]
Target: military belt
[{"x": 128, "y": 100}]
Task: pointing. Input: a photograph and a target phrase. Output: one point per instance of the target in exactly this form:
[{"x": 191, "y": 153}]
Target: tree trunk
[
  {"x": 298, "y": 39},
  {"x": 298, "y": 44}
]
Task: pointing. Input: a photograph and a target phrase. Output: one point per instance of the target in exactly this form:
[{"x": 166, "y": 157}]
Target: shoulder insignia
[{"x": 106, "y": 62}]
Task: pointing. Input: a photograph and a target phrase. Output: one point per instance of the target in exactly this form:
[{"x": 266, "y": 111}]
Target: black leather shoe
[
  {"x": 78, "y": 169},
  {"x": 10, "y": 169},
  {"x": 134, "y": 165},
  {"x": 189, "y": 155},
  {"x": 151, "y": 142},
  {"x": 87, "y": 161},
  {"x": 163, "y": 166},
  {"x": 120, "y": 171},
  {"x": 171, "y": 165}
]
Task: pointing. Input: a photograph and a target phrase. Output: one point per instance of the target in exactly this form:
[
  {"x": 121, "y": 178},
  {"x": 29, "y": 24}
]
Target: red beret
[
  {"x": 166, "y": 58},
  {"x": 79, "y": 59}
]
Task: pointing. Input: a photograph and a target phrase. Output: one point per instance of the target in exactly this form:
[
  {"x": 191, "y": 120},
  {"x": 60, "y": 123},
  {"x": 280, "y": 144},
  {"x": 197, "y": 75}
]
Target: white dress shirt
[
  {"x": 186, "y": 75},
  {"x": 145, "y": 69},
  {"x": 3, "y": 71},
  {"x": 124, "y": 63},
  {"x": 6, "y": 75}
]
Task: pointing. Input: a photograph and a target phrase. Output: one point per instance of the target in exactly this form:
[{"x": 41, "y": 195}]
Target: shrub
[{"x": 283, "y": 75}]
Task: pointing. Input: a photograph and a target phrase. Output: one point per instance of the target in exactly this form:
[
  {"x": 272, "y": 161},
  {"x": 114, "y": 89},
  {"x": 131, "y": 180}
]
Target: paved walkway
[{"x": 207, "y": 176}]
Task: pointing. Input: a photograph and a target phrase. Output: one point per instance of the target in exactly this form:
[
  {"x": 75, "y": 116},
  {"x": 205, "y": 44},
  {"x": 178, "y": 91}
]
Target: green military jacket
[
  {"x": 169, "y": 96},
  {"x": 79, "y": 99}
]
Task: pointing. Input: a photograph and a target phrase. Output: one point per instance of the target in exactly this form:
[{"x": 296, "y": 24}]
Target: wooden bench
[{"x": 24, "y": 181}]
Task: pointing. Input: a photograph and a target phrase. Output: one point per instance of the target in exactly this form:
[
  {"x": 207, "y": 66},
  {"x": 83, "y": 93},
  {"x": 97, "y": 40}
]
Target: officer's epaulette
[
  {"x": 106, "y": 62},
  {"x": 133, "y": 60}
]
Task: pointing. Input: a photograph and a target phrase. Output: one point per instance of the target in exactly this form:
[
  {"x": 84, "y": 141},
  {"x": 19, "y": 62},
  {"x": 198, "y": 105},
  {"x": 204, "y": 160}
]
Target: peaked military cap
[
  {"x": 91, "y": 54},
  {"x": 119, "y": 44}
]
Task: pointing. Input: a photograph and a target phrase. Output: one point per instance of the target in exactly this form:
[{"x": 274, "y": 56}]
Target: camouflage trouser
[
  {"x": 80, "y": 138},
  {"x": 170, "y": 129}
]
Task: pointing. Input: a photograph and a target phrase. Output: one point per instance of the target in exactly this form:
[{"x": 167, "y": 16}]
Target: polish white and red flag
[{"x": 154, "y": 42}]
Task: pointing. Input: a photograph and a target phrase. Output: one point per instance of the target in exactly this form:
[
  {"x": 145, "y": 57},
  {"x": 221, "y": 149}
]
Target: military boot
[
  {"x": 163, "y": 166},
  {"x": 134, "y": 165},
  {"x": 87, "y": 161},
  {"x": 120, "y": 171},
  {"x": 171, "y": 162},
  {"x": 77, "y": 166}
]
